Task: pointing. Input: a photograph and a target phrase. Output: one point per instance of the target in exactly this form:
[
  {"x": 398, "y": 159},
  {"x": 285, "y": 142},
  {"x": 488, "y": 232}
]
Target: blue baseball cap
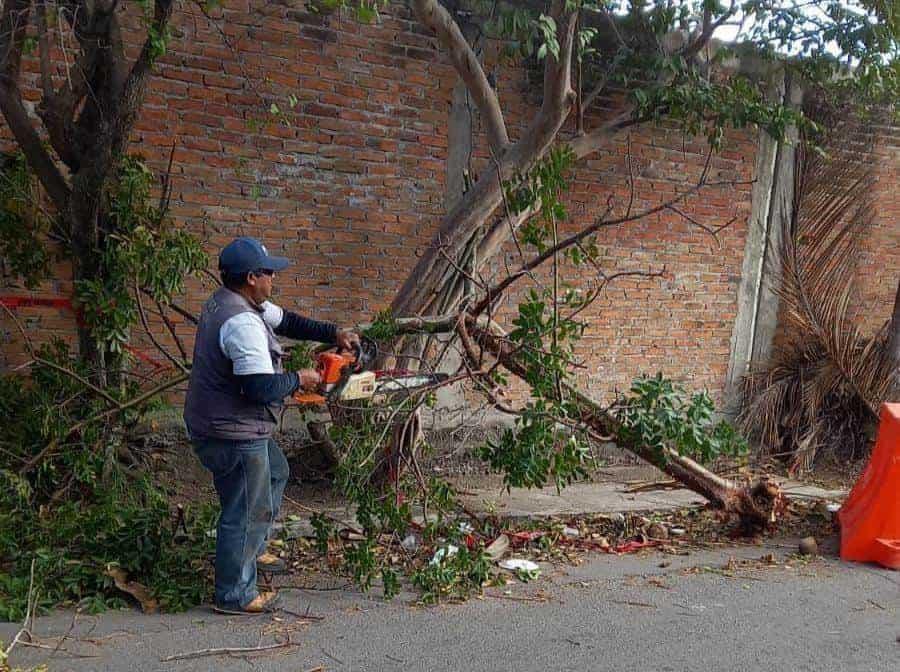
[{"x": 244, "y": 255}]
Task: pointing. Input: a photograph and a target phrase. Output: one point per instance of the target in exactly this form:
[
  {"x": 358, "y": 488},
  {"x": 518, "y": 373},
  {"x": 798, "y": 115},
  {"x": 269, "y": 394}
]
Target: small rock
[
  {"x": 808, "y": 546},
  {"x": 617, "y": 519},
  {"x": 658, "y": 531},
  {"x": 298, "y": 528},
  {"x": 570, "y": 533},
  {"x": 410, "y": 543}
]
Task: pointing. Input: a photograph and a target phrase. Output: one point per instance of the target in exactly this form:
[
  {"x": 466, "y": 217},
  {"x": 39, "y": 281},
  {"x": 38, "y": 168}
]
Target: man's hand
[
  {"x": 346, "y": 339},
  {"x": 309, "y": 379}
]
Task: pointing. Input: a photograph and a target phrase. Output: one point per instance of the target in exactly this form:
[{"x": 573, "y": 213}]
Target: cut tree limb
[{"x": 756, "y": 505}]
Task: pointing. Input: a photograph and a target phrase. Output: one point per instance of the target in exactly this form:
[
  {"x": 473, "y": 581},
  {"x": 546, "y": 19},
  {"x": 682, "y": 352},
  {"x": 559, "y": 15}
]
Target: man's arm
[
  {"x": 266, "y": 388},
  {"x": 291, "y": 325},
  {"x": 243, "y": 340},
  {"x": 302, "y": 328}
]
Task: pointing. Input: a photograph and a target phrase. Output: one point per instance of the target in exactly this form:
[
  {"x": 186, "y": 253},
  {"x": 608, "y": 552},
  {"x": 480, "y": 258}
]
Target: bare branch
[
  {"x": 576, "y": 238},
  {"x": 435, "y": 16},
  {"x": 159, "y": 346},
  {"x": 706, "y": 31},
  {"x": 44, "y": 48},
  {"x": 590, "y": 142}
]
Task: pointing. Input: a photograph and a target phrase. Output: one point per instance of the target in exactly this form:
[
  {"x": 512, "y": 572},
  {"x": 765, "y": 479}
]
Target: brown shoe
[
  {"x": 262, "y": 604},
  {"x": 268, "y": 562}
]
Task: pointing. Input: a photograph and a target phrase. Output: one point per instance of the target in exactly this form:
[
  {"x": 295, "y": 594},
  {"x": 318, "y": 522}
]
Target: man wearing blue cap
[{"x": 236, "y": 390}]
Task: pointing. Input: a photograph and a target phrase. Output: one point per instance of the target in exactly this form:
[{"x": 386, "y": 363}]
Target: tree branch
[
  {"x": 135, "y": 84},
  {"x": 587, "y": 144},
  {"x": 13, "y": 26},
  {"x": 146, "y": 396},
  {"x": 558, "y": 93},
  {"x": 706, "y": 32},
  {"x": 576, "y": 238},
  {"x": 433, "y": 15}
]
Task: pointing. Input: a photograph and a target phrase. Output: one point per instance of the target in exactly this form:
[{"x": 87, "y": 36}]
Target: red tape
[{"x": 64, "y": 303}]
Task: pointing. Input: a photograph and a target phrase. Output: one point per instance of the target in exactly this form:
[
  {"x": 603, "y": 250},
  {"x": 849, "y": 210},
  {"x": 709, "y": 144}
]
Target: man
[{"x": 236, "y": 390}]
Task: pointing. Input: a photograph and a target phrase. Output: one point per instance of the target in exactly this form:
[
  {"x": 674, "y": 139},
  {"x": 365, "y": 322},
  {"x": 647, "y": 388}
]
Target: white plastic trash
[
  {"x": 516, "y": 564},
  {"x": 570, "y": 532},
  {"x": 444, "y": 552}
]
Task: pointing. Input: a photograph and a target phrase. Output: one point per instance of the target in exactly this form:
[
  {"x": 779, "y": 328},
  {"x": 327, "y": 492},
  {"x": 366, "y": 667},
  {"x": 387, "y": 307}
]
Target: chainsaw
[{"x": 348, "y": 376}]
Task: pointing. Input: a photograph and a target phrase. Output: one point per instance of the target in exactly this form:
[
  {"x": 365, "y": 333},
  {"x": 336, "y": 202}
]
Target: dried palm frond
[{"x": 821, "y": 387}]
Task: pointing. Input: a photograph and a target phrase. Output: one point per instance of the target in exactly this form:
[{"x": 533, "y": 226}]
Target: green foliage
[
  {"x": 541, "y": 187},
  {"x": 64, "y": 499},
  {"x": 453, "y": 576},
  {"x": 364, "y": 11},
  {"x": 78, "y": 511},
  {"x": 541, "y": 445},
  {"x": 384, "y": 328},
  {"x": 324, "y": 530},
  {"x": 659, "y": 414},
  {"x": 847, "y": 50},
  {"x": 23, "y": 224},
  {"x": 73, "y": 545},
  {"x": 299, "y": 357},
  {"x": 142, "y": 250}
]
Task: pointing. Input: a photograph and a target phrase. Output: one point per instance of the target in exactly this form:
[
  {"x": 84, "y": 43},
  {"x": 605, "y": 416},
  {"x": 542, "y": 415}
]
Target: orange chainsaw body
[{"x": 330, "y": 366}]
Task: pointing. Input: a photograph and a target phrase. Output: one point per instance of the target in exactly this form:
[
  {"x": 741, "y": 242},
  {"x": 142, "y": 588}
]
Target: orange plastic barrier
[{"x": 870, "y": 518}]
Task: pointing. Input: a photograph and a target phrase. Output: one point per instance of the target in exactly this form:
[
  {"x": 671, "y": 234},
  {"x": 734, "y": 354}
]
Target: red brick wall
[
  {"x": 879, "y": 259},
  {"x": 354, "y": 184}
]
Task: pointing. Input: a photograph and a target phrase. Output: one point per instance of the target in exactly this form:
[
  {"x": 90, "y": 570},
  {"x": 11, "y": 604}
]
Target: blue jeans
[{"x": 250, "y": 477}]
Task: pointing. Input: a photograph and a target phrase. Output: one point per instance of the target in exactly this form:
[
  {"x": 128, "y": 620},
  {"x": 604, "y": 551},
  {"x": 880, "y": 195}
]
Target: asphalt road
[{"x": 611, "y": 613}]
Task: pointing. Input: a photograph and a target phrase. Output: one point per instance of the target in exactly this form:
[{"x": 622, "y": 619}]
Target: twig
[
  {"x": 305, "y": 617},
  {"x": 548, "y": 254},
  {"x": 29, "y": 346},
  {"x": 162, "y": 387},
  {"x": 159, "y": 346},
  {"x": 516, "y": 598},
  {"x": 25, "y": 630},
  {"x": 171, "y": 328},
  {"x": 227, "y": 651}
]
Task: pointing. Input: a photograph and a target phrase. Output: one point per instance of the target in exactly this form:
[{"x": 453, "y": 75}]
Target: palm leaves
[{"x": 824, "y": 381}]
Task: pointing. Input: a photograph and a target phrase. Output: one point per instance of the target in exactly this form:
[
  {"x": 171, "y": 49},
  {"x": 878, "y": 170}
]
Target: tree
[
  {"x": 659, "y": 60},
  {"x": 87, "y": 113}
]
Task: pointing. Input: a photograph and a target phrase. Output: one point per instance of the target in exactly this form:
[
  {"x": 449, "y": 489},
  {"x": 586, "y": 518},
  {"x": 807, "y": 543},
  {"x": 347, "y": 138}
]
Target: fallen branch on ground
[{"x": 227, "y": 651}]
